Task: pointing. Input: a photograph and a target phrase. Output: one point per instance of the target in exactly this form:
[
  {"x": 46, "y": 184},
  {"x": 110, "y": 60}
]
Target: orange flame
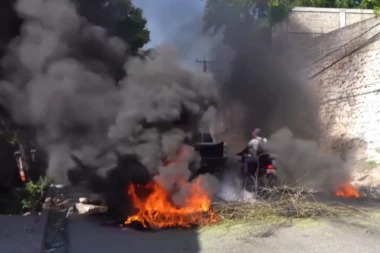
[
  {"x": 346, "y": 190},
  {"x": 157, "y": 210}
]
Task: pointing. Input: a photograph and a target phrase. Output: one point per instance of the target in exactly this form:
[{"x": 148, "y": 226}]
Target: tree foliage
[
  {"x": 243, "y": 18},
  {"x": 120, "y": 18},
  {"x": 357, "y": 4},
  {"x": 221, "y": 12}
]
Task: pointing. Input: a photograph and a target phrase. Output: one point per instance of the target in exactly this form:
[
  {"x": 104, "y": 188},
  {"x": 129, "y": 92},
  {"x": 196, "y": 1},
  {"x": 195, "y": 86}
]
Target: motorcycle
[{"x": 263, "y": 172}]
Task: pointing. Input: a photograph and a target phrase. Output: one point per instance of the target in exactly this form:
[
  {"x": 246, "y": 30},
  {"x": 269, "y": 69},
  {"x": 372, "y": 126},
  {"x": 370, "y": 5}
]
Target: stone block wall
[
  {"x": 321, "y": 20},
  {"x": 343, "y": 67},
  {"x": 347, "y": 82},
  {"x": 303, "y": 33}
]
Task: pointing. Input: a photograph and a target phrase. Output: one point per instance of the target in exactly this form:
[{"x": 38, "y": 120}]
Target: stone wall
[
  {"x": 305, "y": 23},
  {"x": 347, "y": 80},
  {"x": 342, "y": 67},
  {"x": 309, "y": 20}
]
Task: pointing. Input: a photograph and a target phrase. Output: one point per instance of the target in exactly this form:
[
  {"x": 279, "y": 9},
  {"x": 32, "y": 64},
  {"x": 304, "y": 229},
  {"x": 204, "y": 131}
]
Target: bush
[
  {"x": 20, "y": 200},
  {"x": 32, "y": 193}
]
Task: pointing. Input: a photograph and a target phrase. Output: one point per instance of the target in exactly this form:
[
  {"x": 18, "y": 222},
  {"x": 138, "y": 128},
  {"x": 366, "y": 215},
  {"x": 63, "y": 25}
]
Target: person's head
[{"x": 256, "y": 133}]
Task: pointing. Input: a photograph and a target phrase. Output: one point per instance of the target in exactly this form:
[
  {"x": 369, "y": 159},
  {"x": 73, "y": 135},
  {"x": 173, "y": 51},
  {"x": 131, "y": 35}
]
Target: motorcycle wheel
[{"x": 268, "y": 181}]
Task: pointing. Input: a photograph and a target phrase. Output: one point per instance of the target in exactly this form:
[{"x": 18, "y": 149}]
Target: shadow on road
[
  {"x": 86, "y": 234},
  {"x": 361, "y": 202}
]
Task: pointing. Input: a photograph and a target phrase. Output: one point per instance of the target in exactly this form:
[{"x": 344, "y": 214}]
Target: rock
[
  {"x": 83, "y": 200},
  {"x": 96, "y": 199},
  {"x": 89, "y": 209},
  {"x": 56, "y": 201},
  {"x": 66, "y": 203}
]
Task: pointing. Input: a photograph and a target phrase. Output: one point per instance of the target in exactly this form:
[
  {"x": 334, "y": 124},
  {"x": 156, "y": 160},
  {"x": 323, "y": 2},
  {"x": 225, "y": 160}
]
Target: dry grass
[{"x": 279, "y": 204}]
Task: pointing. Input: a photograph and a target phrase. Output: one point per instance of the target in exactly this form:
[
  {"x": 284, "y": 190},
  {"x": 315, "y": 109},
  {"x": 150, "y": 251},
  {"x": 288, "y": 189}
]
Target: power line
[
  {"x": 204, "y": 62},
  {"x": 363, "y": 45},
  {"x": 327, "y": 55},
  {"x": 350, "y": 96}
]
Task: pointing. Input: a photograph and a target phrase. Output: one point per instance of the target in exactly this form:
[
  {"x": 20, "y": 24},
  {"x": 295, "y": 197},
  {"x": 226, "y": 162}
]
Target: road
[
  {"x": 355, "y": 234},
  {"x": 350, "y": 235},
  {"x": 22, "y": 234}
]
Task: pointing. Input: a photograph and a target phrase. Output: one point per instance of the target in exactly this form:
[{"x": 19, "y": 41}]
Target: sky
[{"x": 167, "y": 17}]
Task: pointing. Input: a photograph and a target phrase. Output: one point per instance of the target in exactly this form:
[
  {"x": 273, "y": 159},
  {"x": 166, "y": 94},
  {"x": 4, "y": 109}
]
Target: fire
[
  {"x": 158, "y": 211},
  {"x": 346, "y": 190}
]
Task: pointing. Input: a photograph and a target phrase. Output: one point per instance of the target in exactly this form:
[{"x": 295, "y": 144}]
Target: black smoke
[
  {"x": 259, "y": 75},
  {"x": 74, "y": 84}
]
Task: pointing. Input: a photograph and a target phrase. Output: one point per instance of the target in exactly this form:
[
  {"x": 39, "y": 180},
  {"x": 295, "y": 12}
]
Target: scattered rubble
[
  {"x": 89, "y": 209},
  {"x": 93, "y": 199},
  {"x": 372, "y": 192}
]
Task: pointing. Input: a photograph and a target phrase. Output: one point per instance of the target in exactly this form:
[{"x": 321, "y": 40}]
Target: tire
[{"x": 268, "y": 181}]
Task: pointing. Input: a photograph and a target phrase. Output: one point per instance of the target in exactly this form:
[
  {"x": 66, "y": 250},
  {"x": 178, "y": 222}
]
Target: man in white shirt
[{"x": 253, "y": 147}]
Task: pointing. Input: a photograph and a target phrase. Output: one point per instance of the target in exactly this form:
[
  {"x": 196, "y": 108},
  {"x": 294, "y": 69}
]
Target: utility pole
[{"x": 204, "y": 62}]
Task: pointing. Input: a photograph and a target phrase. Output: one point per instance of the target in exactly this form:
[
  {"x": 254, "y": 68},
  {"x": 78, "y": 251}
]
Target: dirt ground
[{"x": 348, "y": 234}]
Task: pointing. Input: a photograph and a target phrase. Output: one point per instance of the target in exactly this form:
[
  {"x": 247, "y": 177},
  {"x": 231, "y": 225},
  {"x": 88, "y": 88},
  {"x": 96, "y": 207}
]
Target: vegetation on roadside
[
  {"x": 32, "y": 194},
  {"x": 22, "y": 200},
  {"x": 279, "y": 206}
]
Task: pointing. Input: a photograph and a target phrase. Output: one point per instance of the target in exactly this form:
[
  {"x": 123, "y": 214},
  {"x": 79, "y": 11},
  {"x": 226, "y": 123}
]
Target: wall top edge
[{"x": 333, "y": 10}]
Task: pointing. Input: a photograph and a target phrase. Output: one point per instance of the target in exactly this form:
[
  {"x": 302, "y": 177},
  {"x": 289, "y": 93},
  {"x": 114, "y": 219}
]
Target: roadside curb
[
  {"x": 46, "y": 218},
  {"x": 22, "y": 233},
  {"x": 55, "y": 238}
]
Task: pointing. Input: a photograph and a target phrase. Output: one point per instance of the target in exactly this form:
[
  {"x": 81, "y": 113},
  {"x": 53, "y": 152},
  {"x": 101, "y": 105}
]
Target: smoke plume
[
  {"x": 66, "y": 78},
  {"x": 301, "y": 163},
  {"x": 269, "y": 87}
]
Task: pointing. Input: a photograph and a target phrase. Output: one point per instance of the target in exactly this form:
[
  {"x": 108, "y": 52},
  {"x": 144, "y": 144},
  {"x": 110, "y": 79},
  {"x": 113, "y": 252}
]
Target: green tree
[
  {"x": 359, "y": 4},
  {"x": 219, "y": 13},
  {"x": 252, "y": 16},
  {"x": 222, "y": 12},
  {"x": 120, "y": 18}
]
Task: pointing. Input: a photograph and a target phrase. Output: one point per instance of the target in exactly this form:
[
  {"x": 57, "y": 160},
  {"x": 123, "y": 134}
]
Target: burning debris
[
  {"x": 346, "y": 190},
  {"x": 63, "y": 80},
  {"x": 170, "y": 199},
  {"x": 156, "y": 210},
  {"x": 127, "y": 133}
]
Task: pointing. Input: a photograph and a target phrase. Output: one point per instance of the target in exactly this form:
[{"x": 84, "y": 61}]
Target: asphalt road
[
  {"x": 22, "y": 234},
  {"x": 350, "y": 235}
]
